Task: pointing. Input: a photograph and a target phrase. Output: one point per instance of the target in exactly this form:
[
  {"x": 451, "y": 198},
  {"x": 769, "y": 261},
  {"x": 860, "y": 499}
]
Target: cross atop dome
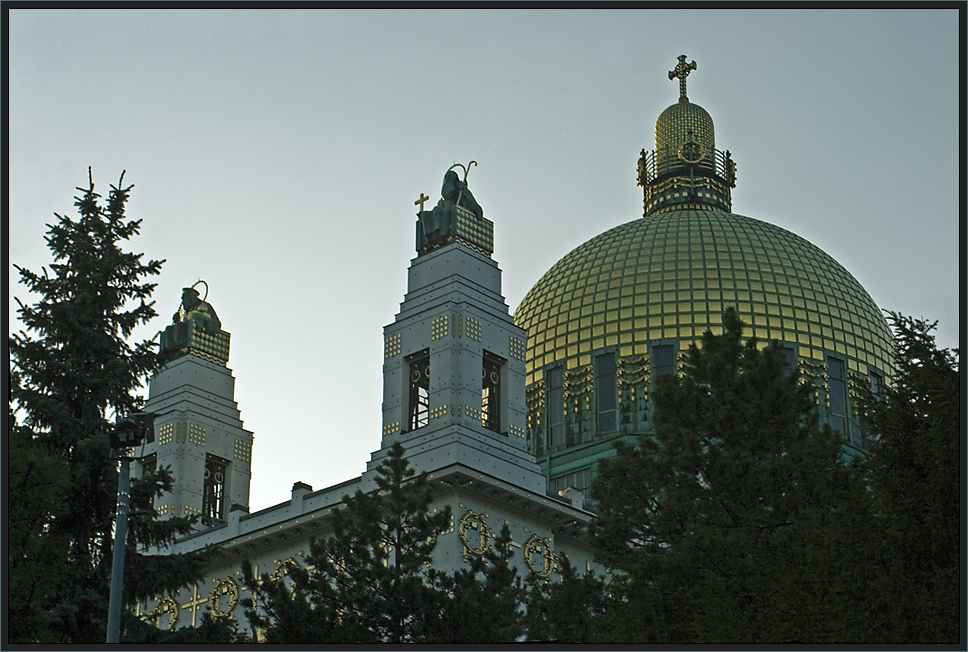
[{"x": 682, "y": 71}]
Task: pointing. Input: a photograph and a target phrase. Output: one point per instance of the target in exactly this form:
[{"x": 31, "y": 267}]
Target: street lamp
[{"x": 129, "y": 431}]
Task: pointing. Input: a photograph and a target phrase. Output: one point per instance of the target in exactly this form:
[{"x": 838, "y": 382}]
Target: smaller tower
[{"x": 198, "y": 427}]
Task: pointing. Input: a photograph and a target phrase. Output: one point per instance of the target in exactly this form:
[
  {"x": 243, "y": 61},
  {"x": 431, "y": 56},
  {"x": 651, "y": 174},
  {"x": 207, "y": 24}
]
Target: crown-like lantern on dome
[{"x": 685, "y": 168}]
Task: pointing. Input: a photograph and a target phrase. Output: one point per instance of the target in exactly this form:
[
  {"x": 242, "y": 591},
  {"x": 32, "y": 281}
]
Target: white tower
[
  {"x": 453, "y": 372},
  {"x": 198, "y": 429}
]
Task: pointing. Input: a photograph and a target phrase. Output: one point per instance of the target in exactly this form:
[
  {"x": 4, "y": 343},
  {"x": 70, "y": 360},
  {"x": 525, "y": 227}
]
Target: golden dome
[
  {"x": 668, "y": 277},
  {"x": 682, "y": 123},
  {"x": 612, "y": 314}
]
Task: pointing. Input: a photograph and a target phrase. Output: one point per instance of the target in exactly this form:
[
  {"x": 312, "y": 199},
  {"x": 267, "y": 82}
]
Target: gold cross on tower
[
  {"x": 682, "y": 71},
  {"x": 421, "y": 201}
]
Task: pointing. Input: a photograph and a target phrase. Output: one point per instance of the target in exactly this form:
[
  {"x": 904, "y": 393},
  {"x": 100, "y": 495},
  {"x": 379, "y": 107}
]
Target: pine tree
[
  {"x": 370, "y": 582},
  {"x": 37, "y": 478},
  {"x": 734, "y": 521},
  {"x": 484, "y": 601},
  {"x": 570, "y": 610},
  {"x": 915, "y": 477},
  {"x": 73, "y": 372}
]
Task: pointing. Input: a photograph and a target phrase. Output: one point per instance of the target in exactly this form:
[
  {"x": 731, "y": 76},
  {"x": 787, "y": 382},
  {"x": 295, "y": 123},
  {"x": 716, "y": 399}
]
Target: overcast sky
[{"x": 277, "y": 154}]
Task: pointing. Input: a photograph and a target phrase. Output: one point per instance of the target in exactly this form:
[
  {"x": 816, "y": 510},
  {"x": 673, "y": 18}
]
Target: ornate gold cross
[
  {"x": 421, "y": 201},
  {"x": 681, "y": 71}
]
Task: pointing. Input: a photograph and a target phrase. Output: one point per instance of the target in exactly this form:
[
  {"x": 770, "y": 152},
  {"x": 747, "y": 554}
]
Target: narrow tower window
[
  {"x": 876, "y": 384},
  {"x": 149, "y": 464},
  {"x": 556, "y": 407},
  {"x": 213, "y": 501},
  {"x": 491, "y": 392},
  {"x": 838, "y": 397},
  {"x": 418, "y": 410},
  {"x": 663, "y": 359},
  {"x": 789, "y": 360},
  {"x": 605, "y": 392}
]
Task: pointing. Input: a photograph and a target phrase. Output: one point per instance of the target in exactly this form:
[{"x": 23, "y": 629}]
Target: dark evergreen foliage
[
  {"x": 483, "y": 602},
  {"x": 914, "y": 472},
  {"x": 730, "y": 520},
  {"x": 72, "y": 372},
  {"x": 370, "y": 581},
  {"x": 570, "y": 609}
]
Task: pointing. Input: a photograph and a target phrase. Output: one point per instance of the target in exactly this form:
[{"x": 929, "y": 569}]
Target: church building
[{"x": 509, "y": 417}]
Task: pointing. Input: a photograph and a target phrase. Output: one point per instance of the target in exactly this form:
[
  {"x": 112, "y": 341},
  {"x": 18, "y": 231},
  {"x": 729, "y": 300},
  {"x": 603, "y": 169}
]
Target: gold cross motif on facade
[
  {"x": 194, "y": 604},
  {"x": 681, "y": 71},
  {"x": 421, "y": 201}
]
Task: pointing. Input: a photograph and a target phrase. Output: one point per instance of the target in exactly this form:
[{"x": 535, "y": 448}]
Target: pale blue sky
[{"x": 277, "y": 155}]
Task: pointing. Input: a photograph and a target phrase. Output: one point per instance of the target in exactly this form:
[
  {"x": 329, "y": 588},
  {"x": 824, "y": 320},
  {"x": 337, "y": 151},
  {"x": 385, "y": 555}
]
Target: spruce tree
[
  {"x": 370, "y": 582},
  {"x": 483, "y": 602},
  {"x": 735, "y": 520},
  {"x": 915, "y": 476},
  {"x": 73, "y": 372},
  {"x": 572, "y": 609}
]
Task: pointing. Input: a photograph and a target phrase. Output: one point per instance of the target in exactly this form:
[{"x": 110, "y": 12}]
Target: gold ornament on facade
[
  {"x": 540, "y": 546},
  {"x": 166, "y": 605},
  {"x": 283, "y": 568},
  {"x": 474, "y": 521},
  {"x": 225, "y": 586}
]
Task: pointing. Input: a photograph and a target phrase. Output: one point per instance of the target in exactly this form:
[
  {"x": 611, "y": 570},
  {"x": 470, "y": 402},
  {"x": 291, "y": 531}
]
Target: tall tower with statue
[
  {"x": 453, "y": 368},
  {"x": 199, "y": 431}
]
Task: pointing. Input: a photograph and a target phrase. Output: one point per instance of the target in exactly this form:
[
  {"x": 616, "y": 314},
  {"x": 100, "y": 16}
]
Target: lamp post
[{"x": 130, "y": 431}]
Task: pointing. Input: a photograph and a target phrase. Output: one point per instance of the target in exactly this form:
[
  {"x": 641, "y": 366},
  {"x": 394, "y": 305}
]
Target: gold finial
[
  {"x": 421, "y": 201},
  {"x": 682, "y": 71}
]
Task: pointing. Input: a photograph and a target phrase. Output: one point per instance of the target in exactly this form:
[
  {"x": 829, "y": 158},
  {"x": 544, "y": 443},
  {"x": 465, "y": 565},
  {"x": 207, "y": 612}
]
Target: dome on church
[
  {"x": 623, "y": 307},
  {"x": 670, "y": 276},
  {"x": 675, "y": 126}
]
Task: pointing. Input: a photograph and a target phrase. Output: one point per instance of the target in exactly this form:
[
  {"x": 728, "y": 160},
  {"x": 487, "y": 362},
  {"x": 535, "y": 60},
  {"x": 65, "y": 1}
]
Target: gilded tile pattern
[
  {"x": 243, "y": 450},
  {"x": 474, "y": 329},
  {"x": 477, "y": 233},
  {"x": 196, "y": 434},
  {"x": 518, "y": 348},
  {"x": 392, "y": 345},
  {"x": 166, "y": 433},
  {"x": 671, "y": 276},
  {"x": 440, "y": 327},
  {"x": 672, "y": 130}
]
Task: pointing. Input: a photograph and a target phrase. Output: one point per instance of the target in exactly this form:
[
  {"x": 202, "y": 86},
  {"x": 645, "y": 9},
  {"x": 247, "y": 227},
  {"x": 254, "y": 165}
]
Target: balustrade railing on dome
[{"x": 653, "y": 166}]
